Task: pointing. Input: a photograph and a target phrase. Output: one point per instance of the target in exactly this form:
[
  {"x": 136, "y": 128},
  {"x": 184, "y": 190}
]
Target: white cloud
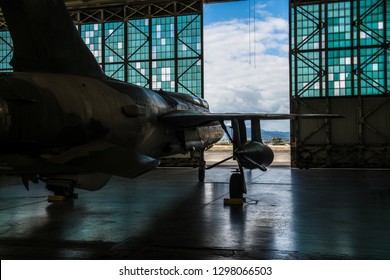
[{"x": 246, "y": 67}]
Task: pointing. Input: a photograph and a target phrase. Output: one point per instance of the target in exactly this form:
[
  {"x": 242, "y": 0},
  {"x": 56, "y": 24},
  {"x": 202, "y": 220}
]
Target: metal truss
[
  {"x": 136, "y": 10},
  {"x": 3, "y": 24}
]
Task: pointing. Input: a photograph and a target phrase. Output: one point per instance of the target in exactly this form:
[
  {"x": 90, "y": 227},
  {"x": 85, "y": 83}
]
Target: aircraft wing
[
  {"x": 192, "y": 118},
  {"x": 106, "y": 158}
]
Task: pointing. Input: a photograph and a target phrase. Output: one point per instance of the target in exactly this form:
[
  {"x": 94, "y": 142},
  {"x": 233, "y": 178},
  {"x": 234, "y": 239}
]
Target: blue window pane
[
  {"x": 163, "y": 75},
  {"x": 138, "y": 40},
  {"x": 92, "y": 36},
  {"x": 153, "y": 52},
  {"x": 139, "y": 73},
  {"x": 190, "y": 80},
  {"x": 115, "y": 71},
  {"x": 163, "y": 38},
  {"x": 5, "y": 51},
  {"x": 338, "y": 47},
  {"x": 114, "y": 42},
  {"x": 189, "y": 36}
]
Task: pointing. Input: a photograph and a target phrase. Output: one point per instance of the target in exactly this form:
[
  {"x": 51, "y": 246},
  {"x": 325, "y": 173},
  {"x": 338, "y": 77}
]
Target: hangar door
[{"x": 340, "y": 63}]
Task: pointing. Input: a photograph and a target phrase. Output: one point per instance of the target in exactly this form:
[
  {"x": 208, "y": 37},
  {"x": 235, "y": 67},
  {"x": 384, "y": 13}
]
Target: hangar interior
[{"x": 290, "y": 213}]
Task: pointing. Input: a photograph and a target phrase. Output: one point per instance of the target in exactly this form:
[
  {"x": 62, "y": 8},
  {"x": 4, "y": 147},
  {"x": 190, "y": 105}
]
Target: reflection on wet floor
[{"x": 167, "y": 214}]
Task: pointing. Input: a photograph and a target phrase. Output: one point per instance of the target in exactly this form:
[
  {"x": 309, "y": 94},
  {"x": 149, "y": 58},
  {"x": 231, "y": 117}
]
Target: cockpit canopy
[{"x": 191, "y": 99}]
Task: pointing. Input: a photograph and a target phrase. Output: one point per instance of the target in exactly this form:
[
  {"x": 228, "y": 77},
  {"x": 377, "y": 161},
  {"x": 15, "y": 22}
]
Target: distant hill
[{"x": 266, "y": 135}]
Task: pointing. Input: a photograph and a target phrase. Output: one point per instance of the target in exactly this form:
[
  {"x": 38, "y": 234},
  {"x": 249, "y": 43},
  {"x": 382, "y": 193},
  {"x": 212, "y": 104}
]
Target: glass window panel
[
  {"x": 341, "y": 37},
  {"x": 189, "y": 36},
  {"x": 163, "y": 74},
  {"x": 115, "y": 71},
  {"x": 113, "y": 42},
  {"x": 190, "y": 80},
  {"x": 92, "y": 36},
  {"x": 5, "y": 51},
  {"x": 138, "y": 43},
  {"x": 163, "y": 45},
  {"x": 155, "y": 42}
]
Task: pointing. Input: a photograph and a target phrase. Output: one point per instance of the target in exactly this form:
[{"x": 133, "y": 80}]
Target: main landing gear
[
  {"x": 237, "y": 184},
  {"x": 202, "y": 167},
  {"x": 63, "y": 190},
  {"x": 248, "y": 154}
]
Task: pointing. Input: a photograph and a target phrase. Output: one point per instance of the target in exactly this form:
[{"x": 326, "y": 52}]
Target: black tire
[
  {"x": 67, "y": 192},
  {"x": 202, "y": 167},
  {"x": 236, "y": 186},
  {"x": 201, "y": 173}
]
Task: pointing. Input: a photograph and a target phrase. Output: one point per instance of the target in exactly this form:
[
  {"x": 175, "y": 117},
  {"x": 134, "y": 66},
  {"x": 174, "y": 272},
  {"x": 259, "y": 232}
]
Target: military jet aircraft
[{"x": 65, "y": 123}]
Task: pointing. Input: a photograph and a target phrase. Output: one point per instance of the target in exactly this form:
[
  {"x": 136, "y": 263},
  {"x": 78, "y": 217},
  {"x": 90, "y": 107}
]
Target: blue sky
[
  {"x": 242, "y": 9},
  {"x": 246, "y": 58}
]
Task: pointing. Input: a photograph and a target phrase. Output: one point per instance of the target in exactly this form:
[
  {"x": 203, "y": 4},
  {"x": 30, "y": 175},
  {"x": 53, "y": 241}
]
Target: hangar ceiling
[
  {"x": 87, "y": 4},
  {"x": 97, "y": 3}
]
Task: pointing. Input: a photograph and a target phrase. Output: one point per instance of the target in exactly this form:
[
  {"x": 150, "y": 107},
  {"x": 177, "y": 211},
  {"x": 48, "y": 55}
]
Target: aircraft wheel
[
  {"x": 236, "y": 185},
  {"x": 67, "y": 192},
  {"x": 202, "y": 167},
  {"x": 202, "y": 172}
]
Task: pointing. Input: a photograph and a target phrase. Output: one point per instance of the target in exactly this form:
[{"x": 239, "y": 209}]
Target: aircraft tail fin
[{"x": 46, "y": 40}]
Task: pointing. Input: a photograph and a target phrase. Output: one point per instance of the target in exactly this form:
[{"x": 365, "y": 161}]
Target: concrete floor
[{"x": 166, "y": 214}]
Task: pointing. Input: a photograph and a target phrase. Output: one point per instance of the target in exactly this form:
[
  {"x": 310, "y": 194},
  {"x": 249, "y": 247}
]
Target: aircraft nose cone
[{"x": 5, "y": 120}]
